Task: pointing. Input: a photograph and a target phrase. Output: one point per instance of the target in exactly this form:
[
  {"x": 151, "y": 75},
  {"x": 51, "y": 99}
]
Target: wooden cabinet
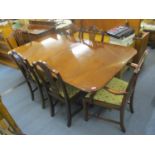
[{"x": 141, "y": 46}]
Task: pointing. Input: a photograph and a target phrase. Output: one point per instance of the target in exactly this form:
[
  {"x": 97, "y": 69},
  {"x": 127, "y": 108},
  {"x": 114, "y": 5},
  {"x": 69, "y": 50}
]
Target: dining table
[{"x": 84, "y": 65}]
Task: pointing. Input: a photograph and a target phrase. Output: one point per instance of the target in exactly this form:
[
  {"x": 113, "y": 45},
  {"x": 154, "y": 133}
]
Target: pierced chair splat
[{"x": 57, "y": 89}]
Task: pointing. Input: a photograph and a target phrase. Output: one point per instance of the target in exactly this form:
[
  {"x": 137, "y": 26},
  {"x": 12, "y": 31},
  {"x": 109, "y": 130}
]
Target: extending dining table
[{"x": 82, "y": 65}]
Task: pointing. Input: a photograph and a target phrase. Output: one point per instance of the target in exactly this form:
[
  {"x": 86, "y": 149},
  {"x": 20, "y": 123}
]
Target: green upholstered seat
[
  {"x": 105, "y": 96},
  {"x": 71, "y": 91}
]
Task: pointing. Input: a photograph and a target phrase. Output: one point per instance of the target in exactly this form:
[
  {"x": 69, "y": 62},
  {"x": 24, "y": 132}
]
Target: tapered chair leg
[
  {"x": 52, "y": 106},
  {"x": 42, "y": 97},
  {"x": 31, "y": 91},
  {"x": 69, "y": 116},
  {"x": 122, "y": 120},
  {"x": 85, "y": 109},
  {"x": 131, "y": 103}
]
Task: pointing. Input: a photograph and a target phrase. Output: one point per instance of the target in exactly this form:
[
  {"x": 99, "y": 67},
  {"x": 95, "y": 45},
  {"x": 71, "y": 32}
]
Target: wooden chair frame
[
  {"x": 29, "y": 75},
  {"x": 21, "y": 37},
  {"x": 92, "y": 32},
  {"x": 128, "y": 96},
  {"x": 53, "y": 82}
]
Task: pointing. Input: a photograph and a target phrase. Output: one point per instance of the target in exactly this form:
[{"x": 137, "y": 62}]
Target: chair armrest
[
  {"x": 115, "y": 92},
  {"x": 133, "y": 65},
  {"x": 138, "y": 66}
]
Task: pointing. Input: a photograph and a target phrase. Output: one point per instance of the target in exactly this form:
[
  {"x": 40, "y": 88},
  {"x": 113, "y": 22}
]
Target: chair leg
[
  {"x": 30, "y": 88},
  {"x": 52, "y": 107},
  {"x": 42, "y": 96},
  {"x": 122, "y": 120},
  {"x": 131, "y": 103},
  {"x": 69, "y": 116},
  {"x": 85, "y": 109}
]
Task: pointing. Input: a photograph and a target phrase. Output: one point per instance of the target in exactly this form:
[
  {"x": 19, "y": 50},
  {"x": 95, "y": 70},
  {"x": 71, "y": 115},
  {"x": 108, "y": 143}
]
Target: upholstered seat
[
  {"x": 105, "y": 96},
  {"x": 70, "y": 90},
  {"x": 58, "y": 90},
  {"x": 115, "y": 95}
]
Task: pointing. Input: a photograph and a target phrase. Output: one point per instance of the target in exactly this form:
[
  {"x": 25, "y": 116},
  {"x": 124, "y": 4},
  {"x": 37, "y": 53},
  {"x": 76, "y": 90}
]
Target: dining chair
[
  {"x": 11, "y": 41},
  {"x": 21, "y": 37},
  {"x": 95, "y": 34},
  {"x": 141, "y": 41},
  {"x": 58, "y": 90},
  {"x": 81, "y": 34},
  {"x": 115, "y": 95},
  {"x": 76, "y": 33},
  {"x": 92, "y": 31},
  {"x": 29, "y": 75},
  {"x": 92, "y": 34},
  {"x": 73, "y": 33},
  {"x": 100, "y": 37}
]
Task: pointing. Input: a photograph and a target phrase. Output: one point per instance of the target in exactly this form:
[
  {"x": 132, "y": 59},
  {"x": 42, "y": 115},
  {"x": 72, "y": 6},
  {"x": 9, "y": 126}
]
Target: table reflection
[
  {"x": 48, "y": 42},
  {"x": 80, "y": 50}
]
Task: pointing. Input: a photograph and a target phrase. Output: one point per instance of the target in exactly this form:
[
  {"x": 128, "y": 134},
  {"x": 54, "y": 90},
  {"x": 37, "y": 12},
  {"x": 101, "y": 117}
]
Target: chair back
[
  {"x": 76, "y": 33},
  {"x": 136, "y": 68},
  {"x": 21, "y": 37},
  {"x": 70, "y": 33},
  {"x": 23, "y": 65},
  {"x": 11, "y": 41},
  {"x": 73, "y": 33},
  {"x": 92, "y": 33},
  {"x": 51, "y": 79}
]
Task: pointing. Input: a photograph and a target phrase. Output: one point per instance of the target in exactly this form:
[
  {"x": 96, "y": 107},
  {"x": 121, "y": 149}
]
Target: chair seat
[
  {"x": 105, "y": 96},
  {"x": 71, "y": 91}
]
